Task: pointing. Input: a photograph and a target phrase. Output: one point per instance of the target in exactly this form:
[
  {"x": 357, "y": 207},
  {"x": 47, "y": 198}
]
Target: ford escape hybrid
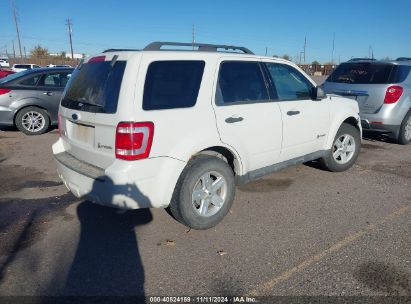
[
  {"x": 383, "y": 92},
  {"x": 165, "y": 127}
]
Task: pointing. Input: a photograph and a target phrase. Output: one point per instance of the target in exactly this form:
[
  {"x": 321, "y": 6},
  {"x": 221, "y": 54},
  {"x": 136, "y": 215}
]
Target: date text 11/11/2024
[{"x": 202, "y": 299}]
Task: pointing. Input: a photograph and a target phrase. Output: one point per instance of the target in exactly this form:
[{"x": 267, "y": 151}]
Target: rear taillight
[
  {"x": 4, "y": 91},
  {"x": 133, "y": 140},
  {"x": 393, "y": 94}
]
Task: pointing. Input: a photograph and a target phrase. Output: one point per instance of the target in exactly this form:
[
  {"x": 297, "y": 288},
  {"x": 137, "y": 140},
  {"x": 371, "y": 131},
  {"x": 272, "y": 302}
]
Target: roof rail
[
  {"x": 361, "y": 59},
  {"x": 120, "y": 50},
  {"x": 403, "y": 59},
  {"x": 157, "y": 46}
]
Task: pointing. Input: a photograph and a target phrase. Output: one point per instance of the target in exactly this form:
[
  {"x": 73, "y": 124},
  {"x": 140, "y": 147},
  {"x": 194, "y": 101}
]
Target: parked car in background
[
  {"x": 4, "y": 72},
  {"x": 23, "y": 67},
  {"x": 30, "y": 99},
  {"x": 59, "y": 66},
  {"x": 4, "y": 62},
  {"x": 383, "y": 92},
  {"x": 159, "y": 128}
]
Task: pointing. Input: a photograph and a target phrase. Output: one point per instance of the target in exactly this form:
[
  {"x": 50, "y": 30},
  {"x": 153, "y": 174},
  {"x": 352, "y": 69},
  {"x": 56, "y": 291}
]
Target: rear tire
[
  {"x": 404, "y": 138},
  {"x": 32, "y": 121},
  {"x": 204, "y": 192},
  {"x": 344, "y": 151}
]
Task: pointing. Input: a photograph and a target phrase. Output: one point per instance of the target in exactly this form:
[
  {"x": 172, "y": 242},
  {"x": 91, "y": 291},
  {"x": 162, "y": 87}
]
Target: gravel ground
[{"x": 302, "y": 231}]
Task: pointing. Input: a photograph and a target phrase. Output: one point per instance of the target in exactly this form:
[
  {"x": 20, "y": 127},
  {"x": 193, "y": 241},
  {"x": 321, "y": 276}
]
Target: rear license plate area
[{"x": 80, "y": 133}]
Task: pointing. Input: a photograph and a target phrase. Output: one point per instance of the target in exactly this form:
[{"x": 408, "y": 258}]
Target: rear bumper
[
  {"x": 147, "y": 183},
  {"x": 388, "y": 119},
  {"x": 367, "y": 125}
]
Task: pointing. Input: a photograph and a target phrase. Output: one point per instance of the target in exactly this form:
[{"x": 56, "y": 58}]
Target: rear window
[
  {"x": 95, "y": 87},
  {"x": 172, "y": 84},
  {"x": 369, "y": 73}
]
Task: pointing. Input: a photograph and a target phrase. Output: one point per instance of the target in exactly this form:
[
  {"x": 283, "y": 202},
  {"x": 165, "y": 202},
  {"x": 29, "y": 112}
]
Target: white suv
[{"x": 176, "y": 128}]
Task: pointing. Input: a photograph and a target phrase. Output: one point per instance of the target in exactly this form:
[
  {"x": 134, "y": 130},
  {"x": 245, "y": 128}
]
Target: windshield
[
  {"x": 94, "y": 87},
  {"x": 14, "y": 76}
]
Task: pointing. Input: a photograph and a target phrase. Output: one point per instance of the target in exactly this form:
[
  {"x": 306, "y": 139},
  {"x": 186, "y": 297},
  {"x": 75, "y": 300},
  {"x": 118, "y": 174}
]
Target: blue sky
[{"x": 278, "y": 25}]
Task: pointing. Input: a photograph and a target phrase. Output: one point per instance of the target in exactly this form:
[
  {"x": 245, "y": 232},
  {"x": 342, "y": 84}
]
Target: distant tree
[
  {"x": 315, "y": 62},
  {"x": 83, "y": 55},
  {"x": 286, "y": 57},
  {"x": 63, "y": 54},
  {"x": 387, "y": 58},
  {"x": 39, "y": 52},
  {"x": 276, "y": 56}
]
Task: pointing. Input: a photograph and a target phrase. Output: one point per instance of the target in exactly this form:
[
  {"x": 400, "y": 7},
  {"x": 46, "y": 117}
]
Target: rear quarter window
[{"x": 172, "y": 84}]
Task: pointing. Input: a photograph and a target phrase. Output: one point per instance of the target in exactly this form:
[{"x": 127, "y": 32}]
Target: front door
[
  {"x": 247, "y": 119},
  {"x": 305, "y": 121}
]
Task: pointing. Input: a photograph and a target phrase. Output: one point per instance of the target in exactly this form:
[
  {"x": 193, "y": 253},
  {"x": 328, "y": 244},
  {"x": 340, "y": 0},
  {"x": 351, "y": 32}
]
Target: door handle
[
  {"x": 234, "y": 119},
  {"x": 292, "y": 113},
  {"x": 48, "y": 93}
]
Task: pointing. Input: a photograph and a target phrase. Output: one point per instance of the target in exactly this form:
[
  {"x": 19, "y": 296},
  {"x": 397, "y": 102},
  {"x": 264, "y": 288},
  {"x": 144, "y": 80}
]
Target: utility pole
[
  {"x": 305, "y": 46},
  {"x": 14, "y": 51},
  {"x": 17, "y": 26},
  {"x": 25, "y": 55},
  {"x": 69, "y": 24},
  {"x": 266, "y": 50},
  {"x": 193, "y": 38},
  {"x": 332, "y": 52}
]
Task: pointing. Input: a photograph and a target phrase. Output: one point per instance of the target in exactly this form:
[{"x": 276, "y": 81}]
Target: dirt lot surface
[{"x": 302, "y": 231}]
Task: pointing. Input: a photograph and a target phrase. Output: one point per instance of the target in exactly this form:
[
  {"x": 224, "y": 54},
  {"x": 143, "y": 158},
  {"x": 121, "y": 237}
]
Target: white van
[{"x": 4, "y": 62}]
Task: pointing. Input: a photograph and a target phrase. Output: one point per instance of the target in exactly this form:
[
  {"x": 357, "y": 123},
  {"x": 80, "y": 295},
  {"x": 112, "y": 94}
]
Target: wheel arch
[
  {"x": 225, "y": 153},
  {"x": 348, "y": 119}
]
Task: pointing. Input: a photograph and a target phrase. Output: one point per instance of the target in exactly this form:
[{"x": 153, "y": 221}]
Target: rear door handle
[
  {"x": 292, "y": 113},
  {"x": 234, "y": 119},
  {"x": 48, "y": 93}
]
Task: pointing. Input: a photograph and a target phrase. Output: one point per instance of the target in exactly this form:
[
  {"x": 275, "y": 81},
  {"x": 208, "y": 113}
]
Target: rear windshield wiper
[
  {"x": 80, "y": 103},
  {"x": 88, "y": 104}
]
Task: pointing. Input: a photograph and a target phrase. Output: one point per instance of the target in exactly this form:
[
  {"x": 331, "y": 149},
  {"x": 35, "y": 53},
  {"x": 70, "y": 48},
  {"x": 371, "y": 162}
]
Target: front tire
[
  {"x": 344, "y": 151},
  {"x": 404, "y": 137},
  {"x": 32, "y": 121},
  {"x": 204, "y": 192}
]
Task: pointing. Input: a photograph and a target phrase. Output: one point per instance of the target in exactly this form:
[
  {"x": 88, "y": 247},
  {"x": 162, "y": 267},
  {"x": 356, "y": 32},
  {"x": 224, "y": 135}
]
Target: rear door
[
  {"x": 247, "y": 119},
  {"x": 90, "y": 109},
  {"x": 50, "y": 88},
  {"x": 305, "y": 121}
]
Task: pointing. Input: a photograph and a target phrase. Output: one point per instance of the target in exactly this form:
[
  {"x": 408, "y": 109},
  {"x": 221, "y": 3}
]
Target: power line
[
  {"x": 69, "y": 24},
  {"x": 17, "y": 25}
]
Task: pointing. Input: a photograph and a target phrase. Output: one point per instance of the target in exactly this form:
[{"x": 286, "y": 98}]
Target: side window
[
  {"x": 58, "y": 80},
  {"x": 31, "y": 81},
  {"x": 289, "y": 83},
  {"x": 172, "y": 84},
  {"x": 240, "y": 81}
]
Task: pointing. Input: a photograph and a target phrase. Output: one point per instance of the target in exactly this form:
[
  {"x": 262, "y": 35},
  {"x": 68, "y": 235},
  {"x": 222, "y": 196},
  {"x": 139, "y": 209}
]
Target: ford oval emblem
[{"x": 74, "y": 116}]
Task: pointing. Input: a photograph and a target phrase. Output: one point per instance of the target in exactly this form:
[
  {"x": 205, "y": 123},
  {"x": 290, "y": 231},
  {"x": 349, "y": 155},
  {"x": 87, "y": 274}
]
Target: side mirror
[{"x": 319, "y": 93}]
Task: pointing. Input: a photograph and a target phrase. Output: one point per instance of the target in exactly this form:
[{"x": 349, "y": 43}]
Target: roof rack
[
  {"x": 201, "y": 47},
  {"x": 120, "y": 50},
  {"x": 361, "y": 59}
]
